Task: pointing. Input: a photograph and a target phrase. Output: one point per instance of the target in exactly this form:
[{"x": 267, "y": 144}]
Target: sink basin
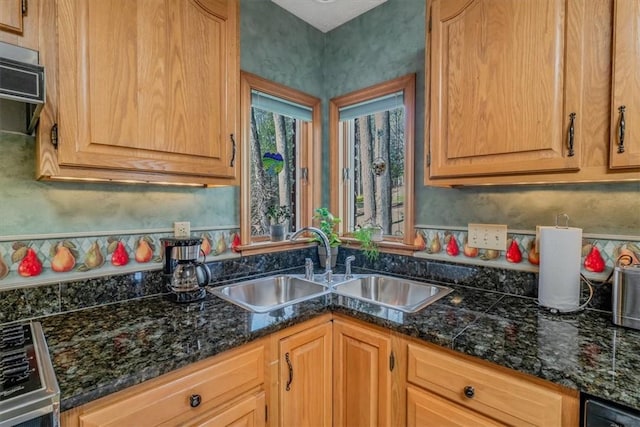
[
  {"x": 270, "y": 293},
  {"x": 393, "y": 292}
]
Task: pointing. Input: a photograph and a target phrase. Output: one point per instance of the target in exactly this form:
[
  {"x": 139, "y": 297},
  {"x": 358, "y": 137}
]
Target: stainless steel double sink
[{"x": 273, "y": 292}]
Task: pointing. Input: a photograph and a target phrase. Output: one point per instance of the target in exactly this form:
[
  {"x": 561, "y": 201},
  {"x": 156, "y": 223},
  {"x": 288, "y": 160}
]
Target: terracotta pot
[{"x": 322, "y": 254}]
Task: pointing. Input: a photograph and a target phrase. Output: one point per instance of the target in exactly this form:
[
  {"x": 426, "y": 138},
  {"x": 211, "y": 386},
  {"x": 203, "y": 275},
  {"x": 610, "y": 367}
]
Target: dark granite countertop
[{"x": 102, "y": 350}]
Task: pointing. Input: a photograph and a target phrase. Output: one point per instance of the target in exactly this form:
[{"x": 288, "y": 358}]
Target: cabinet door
[
  {"x": 505, "y": 77},
  {"x": 426, "y": 409},
  {"x": 305, "y": 378},
  {"x": 148, "y": 86},
  {"x": 249, "y": 412},
  {"x": 625, "y": 145},
  {"x": 11, "y": 16},
  {"x": 362, "y": 376}
]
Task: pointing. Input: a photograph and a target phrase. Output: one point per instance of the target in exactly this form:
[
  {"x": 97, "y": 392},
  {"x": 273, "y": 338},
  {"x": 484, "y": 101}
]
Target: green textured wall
[
  {"x": 274, "y": 44},
  {"x": 388, "y": 42},
  {"x": 382, "y": 44}
]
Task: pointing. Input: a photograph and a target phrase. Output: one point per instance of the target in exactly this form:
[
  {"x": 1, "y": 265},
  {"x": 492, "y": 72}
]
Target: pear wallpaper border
[{"x": 37, "y": 261}]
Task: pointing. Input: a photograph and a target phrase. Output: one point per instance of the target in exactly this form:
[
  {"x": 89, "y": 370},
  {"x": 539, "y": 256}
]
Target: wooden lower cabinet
[
  {"x": 248, "y": 412},
  {"x": 336, "y": 371},
  {"x": 478, "y": 389},
  {"x": 361, "y": 376},
  {"x": 203, "y": 393},
  {"x": 428, "y": 409},
  {"x": 305, "y": 378}
]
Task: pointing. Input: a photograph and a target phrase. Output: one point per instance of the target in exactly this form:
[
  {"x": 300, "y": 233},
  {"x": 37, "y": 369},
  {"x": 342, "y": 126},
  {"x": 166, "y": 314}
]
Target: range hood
[{"x": 22, "y": 81}]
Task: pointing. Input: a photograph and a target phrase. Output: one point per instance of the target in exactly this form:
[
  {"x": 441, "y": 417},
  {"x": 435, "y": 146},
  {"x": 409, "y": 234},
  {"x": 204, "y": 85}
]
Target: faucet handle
[{"x": 308, "y": 269}]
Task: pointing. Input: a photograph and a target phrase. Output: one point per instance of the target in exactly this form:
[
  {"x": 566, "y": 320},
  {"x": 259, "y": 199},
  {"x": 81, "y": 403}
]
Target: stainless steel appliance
[
  {"x": 184, "y": 275},
  {"x": 597, "y": 413},
  {"x": 22, "y": 81},
  {"x": 29, "y": 392},
  {"x": 625, "y": 296}
]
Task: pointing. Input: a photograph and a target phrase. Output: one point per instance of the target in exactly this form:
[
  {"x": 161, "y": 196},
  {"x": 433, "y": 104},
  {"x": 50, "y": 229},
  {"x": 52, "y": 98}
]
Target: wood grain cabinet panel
[
  {"x": 625, "y": 130},
  {"x": 505, "y": 79},
  {"x": 11, "y": 16},
  {"x": 362, "y": 376},
  {"x": 169, "y": 400},
  {"x": 506, "y": 398},
  {"x": 305, "y": 377},
  {"x": 428, "y": 409},
  {"x": 147, "y": 87}
]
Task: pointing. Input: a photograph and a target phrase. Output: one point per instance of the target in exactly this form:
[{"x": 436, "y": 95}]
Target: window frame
[
  {"x": 337, "y": 153},
  {"x": 310, "y": 158}
]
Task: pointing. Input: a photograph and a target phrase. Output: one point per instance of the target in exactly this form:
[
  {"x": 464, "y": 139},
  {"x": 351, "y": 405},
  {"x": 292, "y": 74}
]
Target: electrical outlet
[
  {"x": 182, "y": 229},
  {"x": 488, "y": 236}
]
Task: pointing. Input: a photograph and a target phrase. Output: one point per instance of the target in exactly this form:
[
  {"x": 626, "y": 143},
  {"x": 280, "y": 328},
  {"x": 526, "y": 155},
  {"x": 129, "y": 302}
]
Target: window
[
  {"x": 281, "y": 137},
  {"x": 372, "y": 137}
]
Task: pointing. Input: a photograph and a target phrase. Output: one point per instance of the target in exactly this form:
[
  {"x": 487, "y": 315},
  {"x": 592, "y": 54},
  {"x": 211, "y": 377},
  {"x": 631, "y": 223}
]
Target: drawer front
[
  {"x": 427, "y": 409},
  {"x": 212, "y": 385},
  {"x": 509, "y": 399}
]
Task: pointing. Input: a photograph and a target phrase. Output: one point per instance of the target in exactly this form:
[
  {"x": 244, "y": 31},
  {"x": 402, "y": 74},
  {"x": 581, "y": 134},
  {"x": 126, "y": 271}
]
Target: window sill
[{"x": 257, "y": 248}]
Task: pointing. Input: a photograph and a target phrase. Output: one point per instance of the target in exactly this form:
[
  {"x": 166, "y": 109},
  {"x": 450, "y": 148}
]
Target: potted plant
[
  {"x": 327, "y": 223},
  {"x": 367, "y": 236},
  {"x": 277, "y": 216}
]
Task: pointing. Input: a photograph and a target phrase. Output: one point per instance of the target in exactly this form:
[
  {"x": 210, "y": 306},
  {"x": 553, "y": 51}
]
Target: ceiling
[{"x": 326, "y": 15}]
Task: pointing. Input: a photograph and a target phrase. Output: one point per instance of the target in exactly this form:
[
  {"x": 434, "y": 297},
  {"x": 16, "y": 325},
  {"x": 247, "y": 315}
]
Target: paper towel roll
[{"x": 559, "y": 277}]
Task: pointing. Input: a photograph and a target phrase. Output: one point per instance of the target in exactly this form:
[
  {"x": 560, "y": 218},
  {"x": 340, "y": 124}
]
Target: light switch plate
[
  {"x": 181, "y": 229},
  {"x": 488, "y": 236}
]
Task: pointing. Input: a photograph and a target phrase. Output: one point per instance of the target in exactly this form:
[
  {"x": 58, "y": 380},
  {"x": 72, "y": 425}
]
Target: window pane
[
  {"x": 377, "y": 193},
  {"x": 273, "y": 169}
]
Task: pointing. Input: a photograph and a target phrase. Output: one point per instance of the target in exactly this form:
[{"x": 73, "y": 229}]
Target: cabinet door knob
[
  {"x": 469, "y": 391},
  {"x": 195, "y": 400}
]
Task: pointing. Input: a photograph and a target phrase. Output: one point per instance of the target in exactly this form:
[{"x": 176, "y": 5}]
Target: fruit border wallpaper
[
  {"x": 597, "y": 259},
  {"x": 44, "y": 261},
  {"x": 31, "y": 262}
]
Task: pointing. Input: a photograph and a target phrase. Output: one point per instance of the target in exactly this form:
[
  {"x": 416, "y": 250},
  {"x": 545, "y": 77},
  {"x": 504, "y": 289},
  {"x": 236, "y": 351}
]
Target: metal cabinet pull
[
  {"x": 286, "y": 357},
  {"x": 469, "y": 391},
  {"x": 572, "y": 118},
  {"x": 621, "y": 128},
  {"x": 233, "y": 151},
  {"x": 195, "y": 400}
]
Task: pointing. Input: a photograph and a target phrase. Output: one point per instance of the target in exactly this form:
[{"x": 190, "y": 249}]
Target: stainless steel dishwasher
[{"x": 599, "y": 413}]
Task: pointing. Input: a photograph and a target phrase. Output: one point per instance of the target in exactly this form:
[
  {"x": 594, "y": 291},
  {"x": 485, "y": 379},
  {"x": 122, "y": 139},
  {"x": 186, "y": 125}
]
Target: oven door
[
  {"x": 601, "y": 414},
  {"x": 47, "y": 416}
]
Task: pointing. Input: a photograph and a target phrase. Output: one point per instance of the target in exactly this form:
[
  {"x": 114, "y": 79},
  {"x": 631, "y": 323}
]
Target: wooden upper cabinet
[
  {"x": 625, "y": 132},
  {"x": 505, "y": 80},
  {"x": 149, "y": 86},
  {"x": 11, "y": 12}
]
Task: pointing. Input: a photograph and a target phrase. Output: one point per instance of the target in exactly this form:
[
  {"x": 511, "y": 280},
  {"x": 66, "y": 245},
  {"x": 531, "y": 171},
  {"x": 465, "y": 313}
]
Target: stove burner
[
  {"x": 12, "y": 337},
  {"x": 29, "y": 392}
]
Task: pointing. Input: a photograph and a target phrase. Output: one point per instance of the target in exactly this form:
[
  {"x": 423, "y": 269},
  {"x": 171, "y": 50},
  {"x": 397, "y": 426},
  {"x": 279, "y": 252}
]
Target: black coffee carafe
[{"x": 184, "y": 275}]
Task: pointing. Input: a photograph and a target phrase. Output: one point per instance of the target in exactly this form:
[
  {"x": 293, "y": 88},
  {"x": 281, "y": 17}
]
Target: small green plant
[
  {"x": 278, "y": 214},
  {"x": 327, "y": 223},
  {"x": 364, "y": 235}
]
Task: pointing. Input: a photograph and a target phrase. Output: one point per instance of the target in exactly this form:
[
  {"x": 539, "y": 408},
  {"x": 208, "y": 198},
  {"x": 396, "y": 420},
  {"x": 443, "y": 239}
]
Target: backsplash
[{"x": 49, "y": 299}]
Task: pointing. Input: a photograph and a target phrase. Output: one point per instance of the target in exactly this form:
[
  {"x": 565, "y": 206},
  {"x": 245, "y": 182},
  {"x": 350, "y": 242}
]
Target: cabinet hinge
[
  {"x": 24, "y": 7},
  {"x": 429, "y": 25},
  {"x": 54, "y": 135},
  {"x": 392, "y": 362},
  {"x": 266, "y": 413},
  {"x": 428, "y": 159}
]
